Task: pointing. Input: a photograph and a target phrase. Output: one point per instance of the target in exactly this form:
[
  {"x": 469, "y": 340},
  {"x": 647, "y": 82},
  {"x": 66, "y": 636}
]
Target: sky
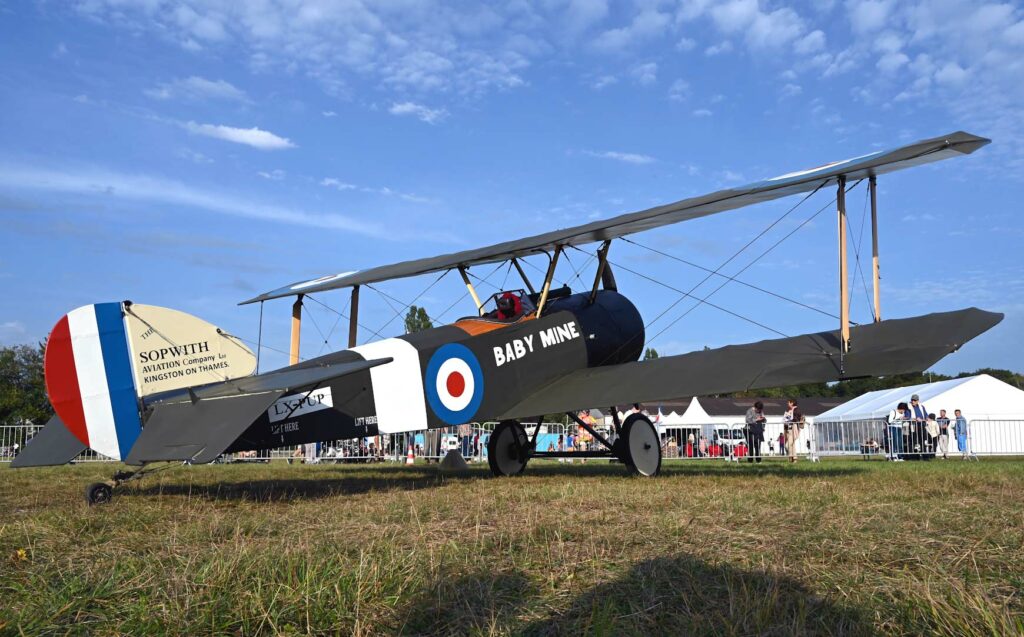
[{"x": 192, "y": 154}]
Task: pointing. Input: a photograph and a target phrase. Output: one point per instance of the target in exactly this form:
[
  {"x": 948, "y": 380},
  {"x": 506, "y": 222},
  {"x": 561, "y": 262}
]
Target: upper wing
[
  {"x": 922, "y": 152},
  {"x": 890, "y": 347},
  {"x": 201, "y": 425}
]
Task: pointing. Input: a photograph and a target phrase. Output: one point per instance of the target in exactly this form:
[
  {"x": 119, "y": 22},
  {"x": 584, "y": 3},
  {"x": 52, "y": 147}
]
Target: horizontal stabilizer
[
  {"x": 53, "y": 445},
  {"x": 199, "y": 426},
  {"x": 897, "y": 346},
  {"x": 200, "y": 431}
]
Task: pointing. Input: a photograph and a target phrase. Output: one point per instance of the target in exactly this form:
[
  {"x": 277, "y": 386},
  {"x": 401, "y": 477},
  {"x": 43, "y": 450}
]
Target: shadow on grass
[
  {"x": 273, "y": 484},
  {"x": 321, "y": 483},
  {"x": 479, "y": 603},
  {"x": 686, "y": 596}
]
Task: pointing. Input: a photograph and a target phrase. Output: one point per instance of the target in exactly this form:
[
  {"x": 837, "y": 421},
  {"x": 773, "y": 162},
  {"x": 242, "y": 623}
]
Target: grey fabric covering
[
  {"x": 922, "y": 152},
  {"x": 286, "y": 379},
  {"x": 198, "y": 432},
  {"x": 53, "y": 445},
  {"x": 879, "y": 349}
]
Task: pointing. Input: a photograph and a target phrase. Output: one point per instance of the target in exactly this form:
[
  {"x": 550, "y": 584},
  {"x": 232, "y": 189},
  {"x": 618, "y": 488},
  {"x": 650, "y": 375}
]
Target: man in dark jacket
[{"x": 755, "y": 431}]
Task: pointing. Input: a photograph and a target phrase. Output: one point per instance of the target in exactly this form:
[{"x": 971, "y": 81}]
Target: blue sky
[{"x": 193, "y": 154}]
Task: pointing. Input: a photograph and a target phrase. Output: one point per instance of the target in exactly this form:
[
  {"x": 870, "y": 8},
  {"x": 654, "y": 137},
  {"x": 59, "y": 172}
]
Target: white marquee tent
[
  {"x": 979, "y": 397},
  {"x": 994, "y": 410}
]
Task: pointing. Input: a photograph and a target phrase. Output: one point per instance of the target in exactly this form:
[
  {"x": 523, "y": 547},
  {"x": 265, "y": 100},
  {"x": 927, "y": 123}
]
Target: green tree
[
  {"x": 650, "y": 354},
  {"x": 22, "y": 386},
  {"x": 417, "y": 320}
]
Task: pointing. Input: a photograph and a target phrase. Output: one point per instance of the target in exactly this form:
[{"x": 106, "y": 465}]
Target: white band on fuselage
[{"x": 397, "y": 386}]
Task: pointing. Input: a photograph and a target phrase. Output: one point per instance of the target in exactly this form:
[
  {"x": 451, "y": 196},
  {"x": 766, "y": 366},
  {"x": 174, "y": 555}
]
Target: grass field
[{"x": 841, "y": 547}]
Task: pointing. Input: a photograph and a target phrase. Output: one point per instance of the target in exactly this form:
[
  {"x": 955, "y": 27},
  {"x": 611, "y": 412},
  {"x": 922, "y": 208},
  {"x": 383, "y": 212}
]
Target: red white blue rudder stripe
[
  {"x": 89, "y": 379},
  {"x": 454, "y": 384}
]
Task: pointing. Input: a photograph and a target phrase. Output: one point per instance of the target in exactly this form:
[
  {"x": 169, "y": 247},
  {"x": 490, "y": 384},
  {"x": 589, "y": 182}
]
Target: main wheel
[
  {"x": 508, "y": 449},
  {"x": 98, "y": 493},
  {"x": 640, "y": 448}
]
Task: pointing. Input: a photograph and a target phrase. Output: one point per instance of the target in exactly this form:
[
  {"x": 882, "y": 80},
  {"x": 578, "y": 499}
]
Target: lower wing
[{"x": 896, "y": 346}]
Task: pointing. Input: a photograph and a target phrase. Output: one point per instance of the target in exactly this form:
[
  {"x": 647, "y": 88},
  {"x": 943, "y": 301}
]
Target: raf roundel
[{"x": 455, "y": 384}]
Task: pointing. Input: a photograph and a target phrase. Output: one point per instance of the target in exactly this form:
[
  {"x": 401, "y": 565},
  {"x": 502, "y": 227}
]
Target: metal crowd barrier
[{"x": 907, "y": 440}]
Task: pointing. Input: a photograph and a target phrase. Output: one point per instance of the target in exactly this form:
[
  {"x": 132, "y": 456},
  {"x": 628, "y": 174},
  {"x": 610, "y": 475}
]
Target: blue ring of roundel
[{"x": 443, "y": 353}]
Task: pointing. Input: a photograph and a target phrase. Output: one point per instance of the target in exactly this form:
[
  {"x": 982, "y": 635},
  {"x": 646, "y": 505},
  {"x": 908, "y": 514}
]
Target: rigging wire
[
  {"x": 685, "y": 294},
  {"x": 734, "y": 255},
  {"x": 730, "y": 278},
  {"x": 465, "y": 294},
  {"x": 337, "y": 321},
  {"x": 758, "y": 258},
  {"x": 856, "y": 253},
  {"x": 408, "y": 305}
]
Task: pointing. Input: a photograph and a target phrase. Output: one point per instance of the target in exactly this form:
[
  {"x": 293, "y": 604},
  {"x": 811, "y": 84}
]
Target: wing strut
[
  {"x": 873, "y": 186},
  {"x": 844, "y": 297},
  {"x": 547, "y": 280},
  {"x": 602, "y": 266},
  {"x": 293, "y": 353},
  {"x": 472, "y": 290}
]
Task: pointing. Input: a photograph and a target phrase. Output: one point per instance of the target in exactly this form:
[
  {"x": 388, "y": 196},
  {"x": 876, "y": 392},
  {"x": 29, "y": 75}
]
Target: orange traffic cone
[{"x": 410, "y": 458}]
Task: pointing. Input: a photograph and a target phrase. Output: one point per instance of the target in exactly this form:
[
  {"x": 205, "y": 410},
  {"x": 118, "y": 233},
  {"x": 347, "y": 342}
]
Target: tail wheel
[
  {"x": 98, "y": 493},
  {"x": 640, "y": 447},
  {"x": 508, "y": 449}
]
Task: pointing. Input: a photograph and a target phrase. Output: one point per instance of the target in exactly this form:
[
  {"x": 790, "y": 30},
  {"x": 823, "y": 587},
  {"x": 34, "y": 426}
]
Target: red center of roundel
[{"x": 455, "y": 384}]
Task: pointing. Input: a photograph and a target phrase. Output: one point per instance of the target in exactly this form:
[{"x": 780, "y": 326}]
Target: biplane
[{"x": 147, "y": 385}]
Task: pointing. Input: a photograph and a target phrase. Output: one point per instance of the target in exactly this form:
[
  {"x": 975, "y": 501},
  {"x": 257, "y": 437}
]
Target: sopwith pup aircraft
[{"x": 146, "y": 385}]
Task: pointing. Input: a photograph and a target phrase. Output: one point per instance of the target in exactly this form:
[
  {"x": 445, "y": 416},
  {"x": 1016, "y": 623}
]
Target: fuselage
[{"x": 470, "y": 371}]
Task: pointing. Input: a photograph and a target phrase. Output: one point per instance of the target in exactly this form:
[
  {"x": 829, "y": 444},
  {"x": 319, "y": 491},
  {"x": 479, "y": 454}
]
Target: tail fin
[{"x": 102, "y": 359}]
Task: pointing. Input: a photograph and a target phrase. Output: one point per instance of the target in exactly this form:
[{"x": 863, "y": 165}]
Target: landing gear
[
  {"x": 103, "y": 492},
  {"x": 509, "y": 449},
  {"x": 98, "y": 493},
  {"x": 639, "y": 446}
]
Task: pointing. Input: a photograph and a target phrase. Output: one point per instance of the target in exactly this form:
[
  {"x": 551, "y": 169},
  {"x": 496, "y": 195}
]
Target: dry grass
[{"x": 845, "y": 548}]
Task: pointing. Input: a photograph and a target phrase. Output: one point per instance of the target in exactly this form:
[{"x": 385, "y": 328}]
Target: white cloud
[
  {"x": 702, "y": 112},
  {"x": 96, "y": 182},
  {"x": 255, "y": 137},
  {"x": 629, "y": 158},
  {"x": 791, "y": 90},
  {"x": 273, "y": 175},
  {"x": 603, "y": 81},
  {"x": 647, "y": 24},
  {"x": 331, "y": 182},
  {"x": 891, "y": 62},
  {"x": 197, "y": 88},
  {"x": 422, "y": 113},
  {"x": 718, "y": 49},
  {"x": 337, "y": 184},
  {"x": 868, "y": 15},
  {"x": 679, "y": 91},
  {"x": 580, "y": 15},
  {"x": 328, "y": 113},
  {"x": 193, "y": 156},
  {"x": 951, "y": 73},
  {"x": 686, "y": 44},
  {"x": 810, "y": 43},
  {"x": 646, "y": 74}
]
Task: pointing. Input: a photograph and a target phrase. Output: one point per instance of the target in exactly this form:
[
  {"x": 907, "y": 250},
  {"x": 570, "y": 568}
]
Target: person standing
[
  {"x": 943, "y": 422},
  {"x": 782, "y": 443},
  {"x": 960, "y": 429},
  {"x": 792, "y": 423},
  {"x": 755, "y": 431},
  {"x": 918, "y": 417},
  {"x": 895, "y": 434}
]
